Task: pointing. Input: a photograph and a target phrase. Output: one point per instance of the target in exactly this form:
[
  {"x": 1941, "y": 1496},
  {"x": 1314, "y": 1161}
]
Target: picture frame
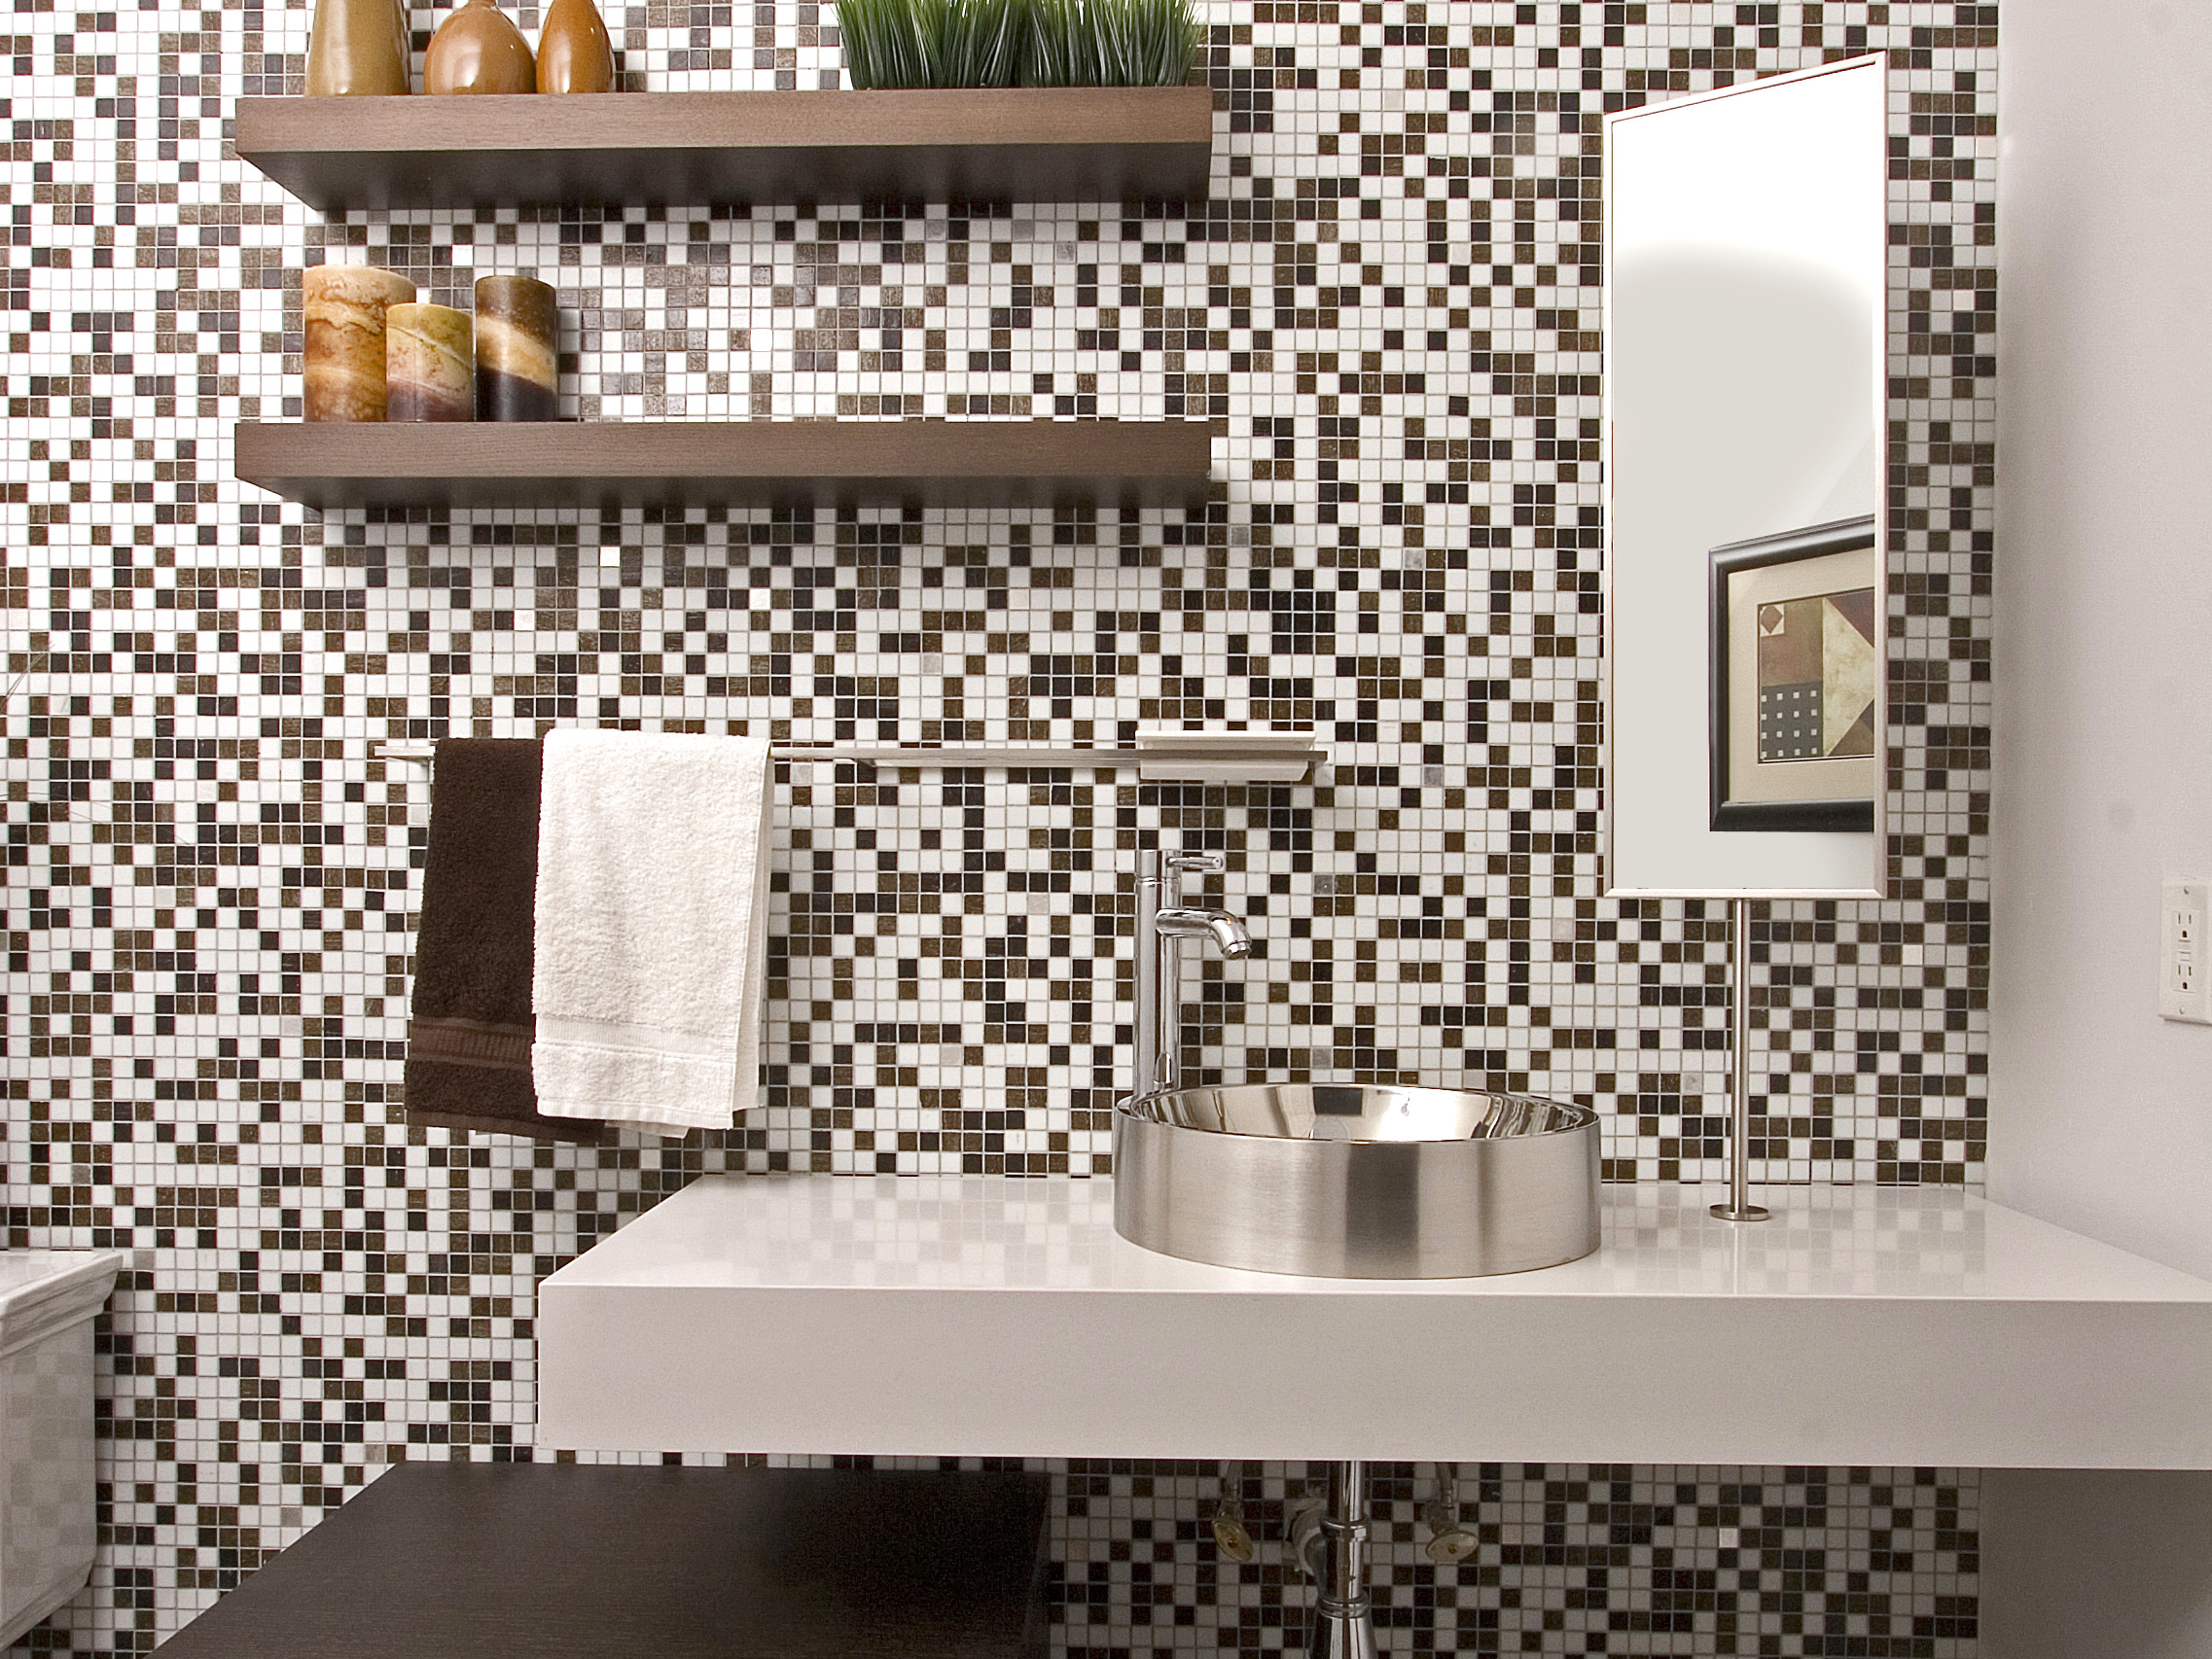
[{"x": 1796, "y": 677}]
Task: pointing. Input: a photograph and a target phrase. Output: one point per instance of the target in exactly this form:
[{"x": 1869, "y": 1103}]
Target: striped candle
[{"x": 517, "y": 343}]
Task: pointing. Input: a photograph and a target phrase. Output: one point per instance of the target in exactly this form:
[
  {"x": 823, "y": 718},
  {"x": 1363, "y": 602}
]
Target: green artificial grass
[
  {"x": 1030, "y": 43},
  {"x": 887, "y": 41}
]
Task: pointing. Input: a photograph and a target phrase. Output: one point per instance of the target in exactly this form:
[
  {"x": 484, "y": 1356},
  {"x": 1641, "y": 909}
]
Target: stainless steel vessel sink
[{"x": 1357, "y": 1181}]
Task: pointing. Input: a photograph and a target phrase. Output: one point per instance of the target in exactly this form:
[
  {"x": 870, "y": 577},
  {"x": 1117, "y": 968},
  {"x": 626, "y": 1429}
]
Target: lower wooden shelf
[
  {"x": 466, "y": 1561},
  {"x": 932, "y": 462}
]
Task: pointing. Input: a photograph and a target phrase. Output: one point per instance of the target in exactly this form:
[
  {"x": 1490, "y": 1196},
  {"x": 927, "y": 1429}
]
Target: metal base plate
[{"x": 1749, "y": 1213}]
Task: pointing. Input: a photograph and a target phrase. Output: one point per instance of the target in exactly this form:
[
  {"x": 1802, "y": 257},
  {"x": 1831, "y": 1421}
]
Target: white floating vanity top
[{"x": 981, "y": 1316}]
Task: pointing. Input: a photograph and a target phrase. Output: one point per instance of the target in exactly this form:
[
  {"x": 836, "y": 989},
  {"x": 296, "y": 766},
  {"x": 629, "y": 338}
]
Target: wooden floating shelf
[
  {"x": 1018, "y": 143},
  {"x": 929, "y": 463}
]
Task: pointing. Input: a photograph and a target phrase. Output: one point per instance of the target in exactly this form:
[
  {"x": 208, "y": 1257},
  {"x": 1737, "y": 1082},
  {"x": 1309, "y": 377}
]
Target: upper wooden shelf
[
  {"x": 1025, "y": 143},
  {"x": 932, "y": 462}
]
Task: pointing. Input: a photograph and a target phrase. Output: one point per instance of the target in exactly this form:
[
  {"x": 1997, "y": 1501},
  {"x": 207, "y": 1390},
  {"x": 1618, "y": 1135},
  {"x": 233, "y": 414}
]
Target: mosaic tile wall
[{"x": 1388, "y": 312}]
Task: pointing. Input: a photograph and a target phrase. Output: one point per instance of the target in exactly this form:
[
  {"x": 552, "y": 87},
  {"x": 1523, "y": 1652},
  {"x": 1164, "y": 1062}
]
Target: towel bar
[{"x": 1167, "y": 757}]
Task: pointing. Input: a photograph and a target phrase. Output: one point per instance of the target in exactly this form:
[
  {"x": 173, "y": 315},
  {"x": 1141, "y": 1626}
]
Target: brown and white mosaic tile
[{"x": 1388, "y": 310}]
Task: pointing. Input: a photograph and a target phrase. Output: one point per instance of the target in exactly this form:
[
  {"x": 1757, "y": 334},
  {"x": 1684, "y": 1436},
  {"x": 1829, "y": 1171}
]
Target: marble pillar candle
[
  {"x": 429, "y": 364},
  {"x": 344, "y": 306},
  {"x": 518, "y": 345}
]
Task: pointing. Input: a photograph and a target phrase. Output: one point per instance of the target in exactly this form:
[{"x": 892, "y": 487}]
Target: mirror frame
[{"x": 1879, "y": 853}]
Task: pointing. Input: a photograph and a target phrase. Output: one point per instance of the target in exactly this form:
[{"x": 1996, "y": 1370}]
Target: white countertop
[{"x": 981, "y": 1315}]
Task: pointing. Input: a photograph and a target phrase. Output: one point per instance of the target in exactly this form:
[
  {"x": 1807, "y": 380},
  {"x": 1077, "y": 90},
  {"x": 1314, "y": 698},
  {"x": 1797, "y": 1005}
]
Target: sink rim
[{"x": 1571, "y": 1117}]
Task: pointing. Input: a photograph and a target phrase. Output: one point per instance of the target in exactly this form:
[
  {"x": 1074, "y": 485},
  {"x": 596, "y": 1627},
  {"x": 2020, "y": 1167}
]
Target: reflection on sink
[{"x": 1357, "y": 1181}]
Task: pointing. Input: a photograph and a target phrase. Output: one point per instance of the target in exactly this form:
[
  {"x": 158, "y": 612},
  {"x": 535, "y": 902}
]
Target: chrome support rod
[{"x": 1739, "y": 1207}]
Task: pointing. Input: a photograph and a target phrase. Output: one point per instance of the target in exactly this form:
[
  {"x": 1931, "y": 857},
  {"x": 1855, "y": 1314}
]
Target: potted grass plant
[{"x": 1018, "y": 43}]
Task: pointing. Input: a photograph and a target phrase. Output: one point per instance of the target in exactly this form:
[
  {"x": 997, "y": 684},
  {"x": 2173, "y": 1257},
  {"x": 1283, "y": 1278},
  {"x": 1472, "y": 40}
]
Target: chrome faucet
[{"x": 1164, "y": 921}]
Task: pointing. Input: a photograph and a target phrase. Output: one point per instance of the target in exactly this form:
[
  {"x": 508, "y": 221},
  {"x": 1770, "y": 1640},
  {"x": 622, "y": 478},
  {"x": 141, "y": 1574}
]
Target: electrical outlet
[{"x": 2185, "y": 969}]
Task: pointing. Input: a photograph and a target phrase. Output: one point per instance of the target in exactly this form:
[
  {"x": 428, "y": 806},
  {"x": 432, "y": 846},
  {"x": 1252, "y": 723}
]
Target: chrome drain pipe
[{"x": 1332, "y": 1542}]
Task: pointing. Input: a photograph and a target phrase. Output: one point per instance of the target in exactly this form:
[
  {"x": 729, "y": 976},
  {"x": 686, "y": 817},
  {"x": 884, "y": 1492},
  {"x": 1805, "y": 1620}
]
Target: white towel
[{"x": 651, "y": 928}]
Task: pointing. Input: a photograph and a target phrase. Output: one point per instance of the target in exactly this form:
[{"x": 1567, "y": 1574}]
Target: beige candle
[
  {"x": 429, "y": 364},
  {"x": 344, "y": 307}
]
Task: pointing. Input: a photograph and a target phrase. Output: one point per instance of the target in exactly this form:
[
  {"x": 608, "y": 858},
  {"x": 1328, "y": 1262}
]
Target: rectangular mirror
[{"x": 1746, "y": 358}]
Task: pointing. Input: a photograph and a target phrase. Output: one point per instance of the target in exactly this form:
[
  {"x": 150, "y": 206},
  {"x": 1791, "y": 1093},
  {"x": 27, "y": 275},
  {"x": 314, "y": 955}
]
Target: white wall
[{"x": 2100, "y": 1112}]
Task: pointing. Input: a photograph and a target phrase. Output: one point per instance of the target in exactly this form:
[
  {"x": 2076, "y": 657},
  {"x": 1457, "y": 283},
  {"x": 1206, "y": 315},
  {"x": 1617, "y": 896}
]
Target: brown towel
[{"x": 468, "y": 1064}]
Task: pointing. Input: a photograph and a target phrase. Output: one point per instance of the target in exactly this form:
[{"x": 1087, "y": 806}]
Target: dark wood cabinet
[{"x": 468, "y": 1561}]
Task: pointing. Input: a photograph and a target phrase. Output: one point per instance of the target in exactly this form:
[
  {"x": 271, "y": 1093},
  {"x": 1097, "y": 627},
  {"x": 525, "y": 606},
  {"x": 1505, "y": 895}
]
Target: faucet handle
[{"x": 1197, "y": 863}]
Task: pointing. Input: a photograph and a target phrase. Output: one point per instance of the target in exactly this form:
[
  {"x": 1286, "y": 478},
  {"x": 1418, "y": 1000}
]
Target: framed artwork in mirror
[{"x": 1796, "y": 679}]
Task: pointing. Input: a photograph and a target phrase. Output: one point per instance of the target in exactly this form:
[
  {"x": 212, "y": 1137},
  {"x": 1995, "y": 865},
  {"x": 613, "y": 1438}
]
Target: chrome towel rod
[{"x": 1230, "y": 757}]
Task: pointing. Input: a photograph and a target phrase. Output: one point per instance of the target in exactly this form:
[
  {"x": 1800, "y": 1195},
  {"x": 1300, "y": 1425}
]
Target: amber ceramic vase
[
  {"x": 344, "y": 306},
  {"x": 574, "y": 52},
  {"x": 478, "y": 50},
  {"x": 359, "y": 49}
]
